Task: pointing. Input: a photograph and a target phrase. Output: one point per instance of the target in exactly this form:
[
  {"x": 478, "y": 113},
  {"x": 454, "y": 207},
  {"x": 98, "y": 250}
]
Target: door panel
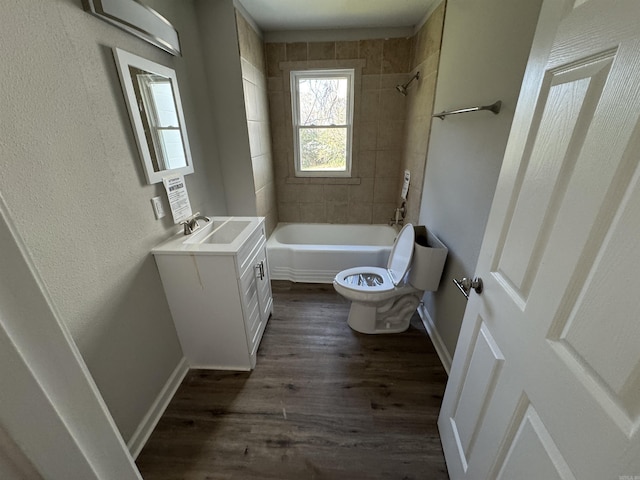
[{"x": 545, "y": 382}]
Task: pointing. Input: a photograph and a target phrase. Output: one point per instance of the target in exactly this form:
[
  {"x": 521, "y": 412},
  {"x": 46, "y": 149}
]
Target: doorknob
[{"x": 465, "y": 285}]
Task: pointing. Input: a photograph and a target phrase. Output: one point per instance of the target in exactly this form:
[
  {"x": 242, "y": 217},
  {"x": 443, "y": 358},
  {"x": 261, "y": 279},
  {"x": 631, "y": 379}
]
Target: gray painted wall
[
  {"x": 217, "y": 23},
  {"x": 75, "y": 189},
  {"x": 485, "y": 47}
]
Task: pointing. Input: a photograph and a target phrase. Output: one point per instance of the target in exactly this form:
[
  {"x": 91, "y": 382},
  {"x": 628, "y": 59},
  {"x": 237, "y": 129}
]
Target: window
[
  {"x": 322, "y": 108},
  {"x": 162, "y": 120}
]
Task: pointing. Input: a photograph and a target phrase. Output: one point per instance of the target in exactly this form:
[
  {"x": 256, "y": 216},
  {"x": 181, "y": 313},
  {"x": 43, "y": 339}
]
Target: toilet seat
[
  {"x": 383, "y": 273},
  {"x": 397, "y": 266}
]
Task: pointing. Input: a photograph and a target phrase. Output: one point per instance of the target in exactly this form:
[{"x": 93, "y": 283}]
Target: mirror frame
[{"x": 123, "y": 61}]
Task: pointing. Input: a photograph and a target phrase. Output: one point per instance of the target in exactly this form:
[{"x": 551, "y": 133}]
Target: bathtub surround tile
[
  {"x": 275, "y": 53},
  {"x": 310, "y": 193},
  {"x": 392, "y": 105},
  {"x": 389, "y": 81},
  {"x": 390, "y": 131},
  {"x": 390, "y": 135},
  {"x": 370, "y": 82},
  {"x": 369, "y": 106},
  {"x": 388, "y": 164},
  {"x": 396, "y": 55},
  {"x": 383, "y": 212},
  {"x": 335, "y": 193},
  {"x": 361, "y": 194},
  {"x": 253, "y": 61},
  {"x": 368, "y": 135},
  {"x": 313, "y": 212},
  {"x": 360, "y": 213},
  {"x": 346, "y": 50},
  {"x": 386, "y": 190},
  {"x": 337, "y": 212},
  {"x": 371, "y": 51},
  {"x": 322, "y": 50},
  {"x": 366, "y": 161},
  {"x": 289, "y": 212},
  {"x": 296, "y": 52}
]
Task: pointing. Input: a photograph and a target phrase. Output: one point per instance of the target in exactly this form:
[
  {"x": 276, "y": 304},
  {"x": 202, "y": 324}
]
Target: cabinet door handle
[{"x": 260, "y": 270}]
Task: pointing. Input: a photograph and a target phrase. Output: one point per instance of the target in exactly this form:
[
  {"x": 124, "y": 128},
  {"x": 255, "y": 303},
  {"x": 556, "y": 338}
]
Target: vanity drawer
[{"x": 250, "y": 247}]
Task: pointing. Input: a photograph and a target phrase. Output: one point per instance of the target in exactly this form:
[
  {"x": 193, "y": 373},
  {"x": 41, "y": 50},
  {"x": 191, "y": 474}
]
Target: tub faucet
[
  {"x": 191, "y": 223},
  {"x": 400, "y": 213}
]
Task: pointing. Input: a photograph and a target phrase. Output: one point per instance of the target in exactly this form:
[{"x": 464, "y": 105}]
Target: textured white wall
[
  {"x": 485, "y": 46},
  {"x": 74, "y": 186}
]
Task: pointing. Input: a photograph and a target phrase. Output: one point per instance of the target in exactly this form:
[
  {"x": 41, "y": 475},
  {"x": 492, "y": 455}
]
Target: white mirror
[{"x": 153, "y": 100}]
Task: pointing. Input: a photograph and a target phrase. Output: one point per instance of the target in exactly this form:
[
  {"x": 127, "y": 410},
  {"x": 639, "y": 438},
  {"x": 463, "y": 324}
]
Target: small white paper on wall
[{"x": 178, "y": 197}]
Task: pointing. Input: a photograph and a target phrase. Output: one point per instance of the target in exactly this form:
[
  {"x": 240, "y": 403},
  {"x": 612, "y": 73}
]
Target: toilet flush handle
[{"x": 465, "y": 285}]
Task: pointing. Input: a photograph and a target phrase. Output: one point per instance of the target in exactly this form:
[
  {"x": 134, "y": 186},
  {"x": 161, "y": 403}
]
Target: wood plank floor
[{"x": 324, "y": 402}]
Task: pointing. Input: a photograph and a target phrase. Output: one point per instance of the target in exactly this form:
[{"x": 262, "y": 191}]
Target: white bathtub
[{"x": 316, "y": 252}]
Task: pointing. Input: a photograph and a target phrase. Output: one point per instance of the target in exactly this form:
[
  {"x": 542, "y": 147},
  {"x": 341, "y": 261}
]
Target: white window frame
[{"x": 295, "y": 76}]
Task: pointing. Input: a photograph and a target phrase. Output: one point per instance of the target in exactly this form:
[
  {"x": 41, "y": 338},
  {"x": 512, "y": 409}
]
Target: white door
[{"x": 545, "y": 381}]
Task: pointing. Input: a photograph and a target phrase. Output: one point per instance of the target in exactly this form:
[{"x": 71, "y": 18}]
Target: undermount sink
[{"x": 218, "y": 235}]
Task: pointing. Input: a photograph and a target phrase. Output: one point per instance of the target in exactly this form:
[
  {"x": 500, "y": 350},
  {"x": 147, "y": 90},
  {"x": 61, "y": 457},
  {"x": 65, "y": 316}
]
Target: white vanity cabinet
[{"x": 219, "y": 293}]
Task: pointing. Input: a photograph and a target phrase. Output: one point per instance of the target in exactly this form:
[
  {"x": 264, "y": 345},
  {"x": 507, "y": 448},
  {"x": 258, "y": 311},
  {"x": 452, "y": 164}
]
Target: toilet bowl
[{"x": 382, "y": 299}]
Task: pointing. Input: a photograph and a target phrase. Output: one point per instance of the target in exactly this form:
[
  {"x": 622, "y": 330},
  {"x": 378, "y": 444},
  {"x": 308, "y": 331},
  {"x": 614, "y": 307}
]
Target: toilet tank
[{"x": 429, "y": 255}]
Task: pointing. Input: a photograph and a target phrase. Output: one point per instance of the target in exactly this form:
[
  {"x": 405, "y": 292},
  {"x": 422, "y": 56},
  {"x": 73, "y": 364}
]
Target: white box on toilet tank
[{"x": 429, "y": 255}]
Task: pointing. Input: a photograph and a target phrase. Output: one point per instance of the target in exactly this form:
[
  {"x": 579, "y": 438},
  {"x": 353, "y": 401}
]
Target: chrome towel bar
[{"x": 494, "y": 107}]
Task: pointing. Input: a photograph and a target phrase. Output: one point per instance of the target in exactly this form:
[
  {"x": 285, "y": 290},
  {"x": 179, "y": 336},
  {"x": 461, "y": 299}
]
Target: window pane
[
  {"x": 165, "y": 107},
  {"x": 172, "y": 148},
  {"x": 323, "y": 149},
  {"x": 323, "y": 101}
]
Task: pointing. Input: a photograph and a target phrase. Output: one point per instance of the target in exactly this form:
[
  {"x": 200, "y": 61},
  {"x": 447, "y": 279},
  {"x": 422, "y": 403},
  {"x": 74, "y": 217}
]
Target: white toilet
[{"x": 383, "y": 300}]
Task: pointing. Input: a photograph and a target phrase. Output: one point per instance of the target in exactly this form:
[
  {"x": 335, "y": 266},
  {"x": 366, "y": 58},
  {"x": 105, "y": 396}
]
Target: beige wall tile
[
  {"x": 322, "y": 50},
  {"x": 396, "y": 55},
  {"x": 371, "y": 51},
  {"x": 369, "y": 105},
  {"x": 366, "y": 163},
  {"x": 275, "y": 53},
  {"x": 310, "y": 193},
  {"x": 389, "y": 129},
  {"x": 360, "y": 213},
  {"x": 368, "y": 135},
  {"x": 335, "y": 193},
  {"x": 288, "y": 212},
  {"x": 362, "y": 193},
  {"x": 346, "y": 50},
  {"x": 337, "y": 212},
  {"x": 383, "y": 212},
  {"x": 388, "y": 164},
  {"x": 371, "y": 82},
  {"x": 392, "y": 105},
  {"x": 386, "y": 190},
  {"x": 296, "y": 52},
  {"x": 313, "y": 213},
  {"x": 391, "y": 135}
]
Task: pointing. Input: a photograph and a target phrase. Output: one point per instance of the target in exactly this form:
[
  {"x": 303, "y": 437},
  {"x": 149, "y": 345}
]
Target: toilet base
[{"x": 393, "y": 316}]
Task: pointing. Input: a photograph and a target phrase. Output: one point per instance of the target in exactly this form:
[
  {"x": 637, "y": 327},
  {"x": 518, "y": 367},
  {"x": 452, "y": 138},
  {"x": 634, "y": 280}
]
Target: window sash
[{"x": 296, "y": 76}]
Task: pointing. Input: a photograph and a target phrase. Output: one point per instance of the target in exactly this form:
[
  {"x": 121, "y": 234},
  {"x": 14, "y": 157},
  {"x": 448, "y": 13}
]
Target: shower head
[{"x": 403, "y": 88}]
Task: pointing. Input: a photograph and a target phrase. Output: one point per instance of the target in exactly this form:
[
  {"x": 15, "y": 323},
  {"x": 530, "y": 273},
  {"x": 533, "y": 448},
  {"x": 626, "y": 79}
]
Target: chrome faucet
[
  {"x": 191, "y": 224},
  {"x": 400, "y": 213}
]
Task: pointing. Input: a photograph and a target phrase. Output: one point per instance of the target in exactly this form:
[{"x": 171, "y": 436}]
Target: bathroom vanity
[{"x": 217, "y": 284}]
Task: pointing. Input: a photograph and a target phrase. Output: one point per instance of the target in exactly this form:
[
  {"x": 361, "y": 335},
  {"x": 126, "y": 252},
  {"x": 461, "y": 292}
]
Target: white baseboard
[
  {"x": 151, "y": 419},
  {"x": 436, "y": 339}
]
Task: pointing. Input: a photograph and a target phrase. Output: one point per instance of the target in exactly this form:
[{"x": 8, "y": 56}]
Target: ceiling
[{"x": 290, "y": 15}]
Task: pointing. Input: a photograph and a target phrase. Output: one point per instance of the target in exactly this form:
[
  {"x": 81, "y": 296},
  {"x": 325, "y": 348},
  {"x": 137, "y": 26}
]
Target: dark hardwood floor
[{"x": 324, "y": 402}]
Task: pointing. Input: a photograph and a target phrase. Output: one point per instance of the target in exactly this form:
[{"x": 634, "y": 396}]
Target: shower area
[{"x": 393, "y": 102}]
